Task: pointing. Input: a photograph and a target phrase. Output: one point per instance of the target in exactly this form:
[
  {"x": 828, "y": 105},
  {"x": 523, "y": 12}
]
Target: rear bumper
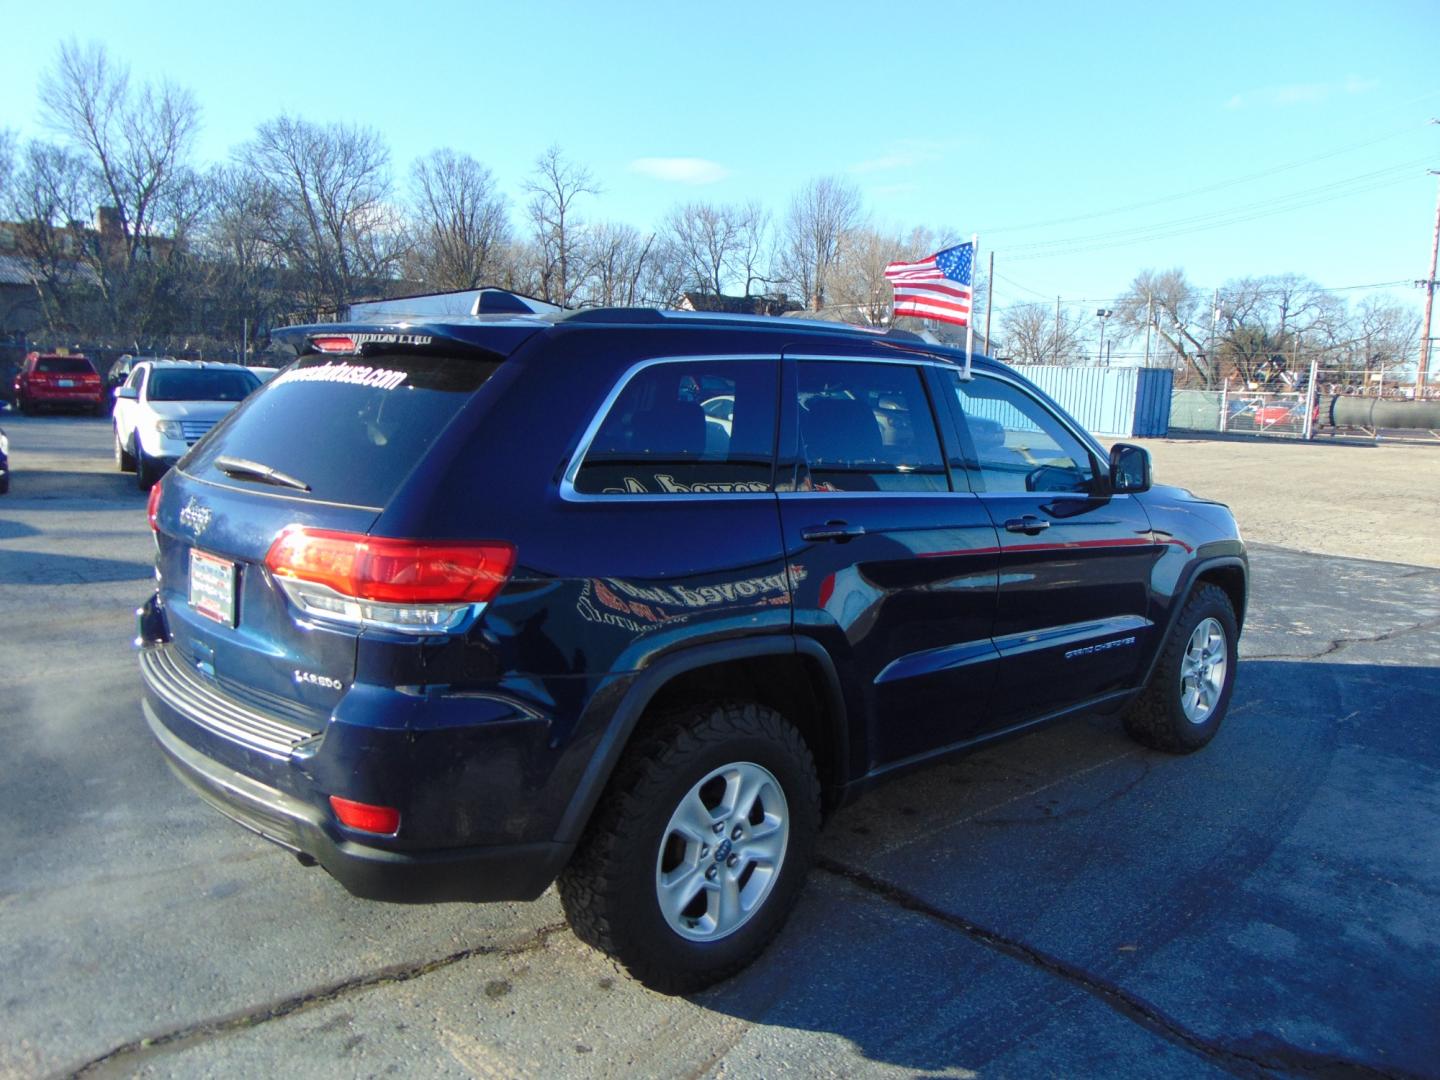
[
  {"x": 88, "y": 399},
  {"x": 509, "y": 872}
]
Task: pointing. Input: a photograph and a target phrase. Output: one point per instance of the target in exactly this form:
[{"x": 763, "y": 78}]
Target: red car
[{"x": 50, "y": 379}]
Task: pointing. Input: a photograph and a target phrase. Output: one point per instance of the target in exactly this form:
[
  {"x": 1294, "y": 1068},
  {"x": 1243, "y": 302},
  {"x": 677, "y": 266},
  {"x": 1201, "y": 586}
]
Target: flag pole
[{"x": 970, "y": 321}]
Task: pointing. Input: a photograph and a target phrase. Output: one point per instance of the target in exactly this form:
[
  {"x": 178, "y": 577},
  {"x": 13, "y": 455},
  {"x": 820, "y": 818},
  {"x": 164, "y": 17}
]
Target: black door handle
[
  {"x": 1029, "y": 525},
  {"x": 838, "y": 531}
]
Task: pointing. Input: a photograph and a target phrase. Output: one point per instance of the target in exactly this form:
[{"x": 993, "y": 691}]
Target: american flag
[{"x": 937, "y": 287}]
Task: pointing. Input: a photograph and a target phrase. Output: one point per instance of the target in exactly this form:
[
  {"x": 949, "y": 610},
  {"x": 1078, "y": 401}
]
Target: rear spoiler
[{"x": 495, "y": 335}]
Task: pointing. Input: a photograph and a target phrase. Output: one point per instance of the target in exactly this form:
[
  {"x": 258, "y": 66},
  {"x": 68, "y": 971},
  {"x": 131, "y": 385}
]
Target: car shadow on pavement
[
  {"x": 48, "y": 568},
  {"x": 1269, "y": 900},
  {"x": 72, "y": 484},
  {"x": 14, "y": 530}
]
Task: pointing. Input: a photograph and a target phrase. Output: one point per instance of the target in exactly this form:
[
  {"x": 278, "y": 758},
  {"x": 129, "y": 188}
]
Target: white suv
[{"x": 165, "y": 407}]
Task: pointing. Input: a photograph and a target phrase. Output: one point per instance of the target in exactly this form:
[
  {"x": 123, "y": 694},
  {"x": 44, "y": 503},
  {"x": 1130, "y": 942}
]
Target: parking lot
[{"x": 1064, "y": 904}]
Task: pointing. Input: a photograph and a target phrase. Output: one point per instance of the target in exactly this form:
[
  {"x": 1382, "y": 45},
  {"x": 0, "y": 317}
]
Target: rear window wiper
[{"x": 244, "y": 469}]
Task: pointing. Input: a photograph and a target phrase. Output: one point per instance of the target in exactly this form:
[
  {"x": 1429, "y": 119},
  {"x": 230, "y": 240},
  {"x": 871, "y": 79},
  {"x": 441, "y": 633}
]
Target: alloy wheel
[
  {"x": 721, "y": 853},
  {"x": 1203, "y": 670}
]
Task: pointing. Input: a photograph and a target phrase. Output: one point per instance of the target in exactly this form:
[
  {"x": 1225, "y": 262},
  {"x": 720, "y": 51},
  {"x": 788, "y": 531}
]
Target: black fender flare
[
  {"x": 648, "y": 682},
  {"x": 1182, "y": 597}
]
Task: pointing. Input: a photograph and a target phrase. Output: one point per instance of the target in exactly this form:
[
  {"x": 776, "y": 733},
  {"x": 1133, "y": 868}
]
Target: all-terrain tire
[
  {"x": 1171, "y": 714},
  {"x": 610, "y": 890}
]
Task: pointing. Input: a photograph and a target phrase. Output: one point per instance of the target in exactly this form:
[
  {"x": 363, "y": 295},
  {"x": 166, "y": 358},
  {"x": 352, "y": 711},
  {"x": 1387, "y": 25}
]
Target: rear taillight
[
  {"x": 152, "y": 505},
  {"x": 364, "y": 817},
  {"x": 412, "y": 586}
]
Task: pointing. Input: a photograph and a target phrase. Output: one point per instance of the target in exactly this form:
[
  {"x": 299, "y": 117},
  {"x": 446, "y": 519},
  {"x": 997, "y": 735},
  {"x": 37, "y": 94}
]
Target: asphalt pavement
[{"x": 1067, "y": 903}]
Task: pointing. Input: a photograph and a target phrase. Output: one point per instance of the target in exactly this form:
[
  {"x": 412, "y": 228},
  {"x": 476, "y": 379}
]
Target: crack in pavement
[
  {"x": 1274, "y": 1056},
  {"x": 1339, "y": 643},
  {"x": 393, "y": 974}
]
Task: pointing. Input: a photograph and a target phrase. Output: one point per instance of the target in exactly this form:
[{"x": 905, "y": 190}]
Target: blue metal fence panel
[
  {"x": 1152, "y": 402},
  {"x": 1124, "y": 401}
]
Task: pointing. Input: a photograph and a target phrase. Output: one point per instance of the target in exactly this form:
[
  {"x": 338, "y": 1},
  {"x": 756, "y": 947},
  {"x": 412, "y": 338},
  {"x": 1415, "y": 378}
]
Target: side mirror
[
  {"x": 129, "y": 393},
  {"x": 1129, "y": 469}
]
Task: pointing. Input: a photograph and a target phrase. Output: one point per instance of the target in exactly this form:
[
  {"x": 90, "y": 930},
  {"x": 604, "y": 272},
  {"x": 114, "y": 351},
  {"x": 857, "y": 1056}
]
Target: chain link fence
[
  {"x": 1252, "y": 412},
  {"x": 1300, "y": 407}
]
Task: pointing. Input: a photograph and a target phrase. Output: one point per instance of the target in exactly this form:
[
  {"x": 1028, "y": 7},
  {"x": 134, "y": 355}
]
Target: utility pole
[
  {"x": 990, "y": 302},
  {"x": 1057, "y": 329},
  {"x": 1429, "y": 286},
  {"x": 1149, "y": 323},
  {"x": 1214, "y": 332}
]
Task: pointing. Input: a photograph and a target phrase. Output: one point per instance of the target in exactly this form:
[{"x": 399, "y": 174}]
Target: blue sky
[{"x": 1124, "y": 136}]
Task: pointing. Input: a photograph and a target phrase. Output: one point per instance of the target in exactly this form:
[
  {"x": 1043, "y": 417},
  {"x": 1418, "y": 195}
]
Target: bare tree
[
  {"x": 556, "y": 230},
  {"x": 1179, "y": 317},
  {"x": 1262, "y": 320},
  {"x": 753, "y": 255},
  {"x": 336, "y": 226},
  {"x": 664, "y": 277},
  {"x": 1033, "y": 335},
  {"x": 460, "y": 221},
  {"x": 821, "y": 213},
  {"x": 1383, "y": 336},
  {"x": 243, "y": 269},
  {"x": 8, "y": 144},
  {"x": 48, "y": 197},
  {"x": 136, "y": 139},
  {"x": 718, "y": 243},
  {"x": 858, "y": 289},
  {"x": 618, "y": 257}
]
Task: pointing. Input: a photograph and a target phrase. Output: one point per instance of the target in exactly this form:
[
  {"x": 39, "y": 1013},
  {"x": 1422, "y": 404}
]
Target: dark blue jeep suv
[{"x": 629, "y": 599}]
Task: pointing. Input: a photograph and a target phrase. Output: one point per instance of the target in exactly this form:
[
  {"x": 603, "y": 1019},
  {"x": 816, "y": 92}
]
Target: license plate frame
[{"x": 212, "y": 587}]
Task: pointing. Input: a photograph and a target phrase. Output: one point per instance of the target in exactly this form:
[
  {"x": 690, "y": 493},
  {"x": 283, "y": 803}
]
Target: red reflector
[
  {"x": 363, "y": 816},
  {"x": 334, "y": 343},
  {"x": 152, "y": 505},
  {"x": 393, "y": 571}
]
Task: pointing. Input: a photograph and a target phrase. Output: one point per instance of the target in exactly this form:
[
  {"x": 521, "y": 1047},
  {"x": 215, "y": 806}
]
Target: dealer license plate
[
  {"x": 66, "y": 382},
  {"x": 212, "y": 587}
]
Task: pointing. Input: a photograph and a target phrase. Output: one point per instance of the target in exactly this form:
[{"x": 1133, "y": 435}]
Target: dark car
[
  {"x": 458, "y": 609},
  {"x": 54, "y": 380}
]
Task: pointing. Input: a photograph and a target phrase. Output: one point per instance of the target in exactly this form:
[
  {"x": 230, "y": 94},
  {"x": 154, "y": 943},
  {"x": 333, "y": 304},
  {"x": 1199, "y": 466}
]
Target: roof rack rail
[{"x": 632, "y": 315}]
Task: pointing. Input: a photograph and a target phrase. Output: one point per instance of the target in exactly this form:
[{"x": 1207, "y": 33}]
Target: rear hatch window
[
  {"x": 64, "y": 365},
  {"x": 342, "y": 431}
]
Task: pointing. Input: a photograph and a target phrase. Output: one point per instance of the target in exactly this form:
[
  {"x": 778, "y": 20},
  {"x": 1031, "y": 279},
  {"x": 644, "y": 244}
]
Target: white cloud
[
  {"x": 902, "y": 154},
  {"x": 681, "y": 170},
  {"x": 906, "y": 188},
  {"x": 1317, "y": 93}
]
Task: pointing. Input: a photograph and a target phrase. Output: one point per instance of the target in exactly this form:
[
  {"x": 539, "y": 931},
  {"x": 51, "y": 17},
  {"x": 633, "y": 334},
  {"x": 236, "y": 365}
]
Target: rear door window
[
  {"x": 868, "y": 427},
  {"x": 686, "y": 427},
  {"x": 349, "y": 429}
]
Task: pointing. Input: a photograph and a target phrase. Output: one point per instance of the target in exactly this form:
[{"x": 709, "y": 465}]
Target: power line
[
  {"x": 1222, "y": 219},
  {"x": 1206, "y": 189}
]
